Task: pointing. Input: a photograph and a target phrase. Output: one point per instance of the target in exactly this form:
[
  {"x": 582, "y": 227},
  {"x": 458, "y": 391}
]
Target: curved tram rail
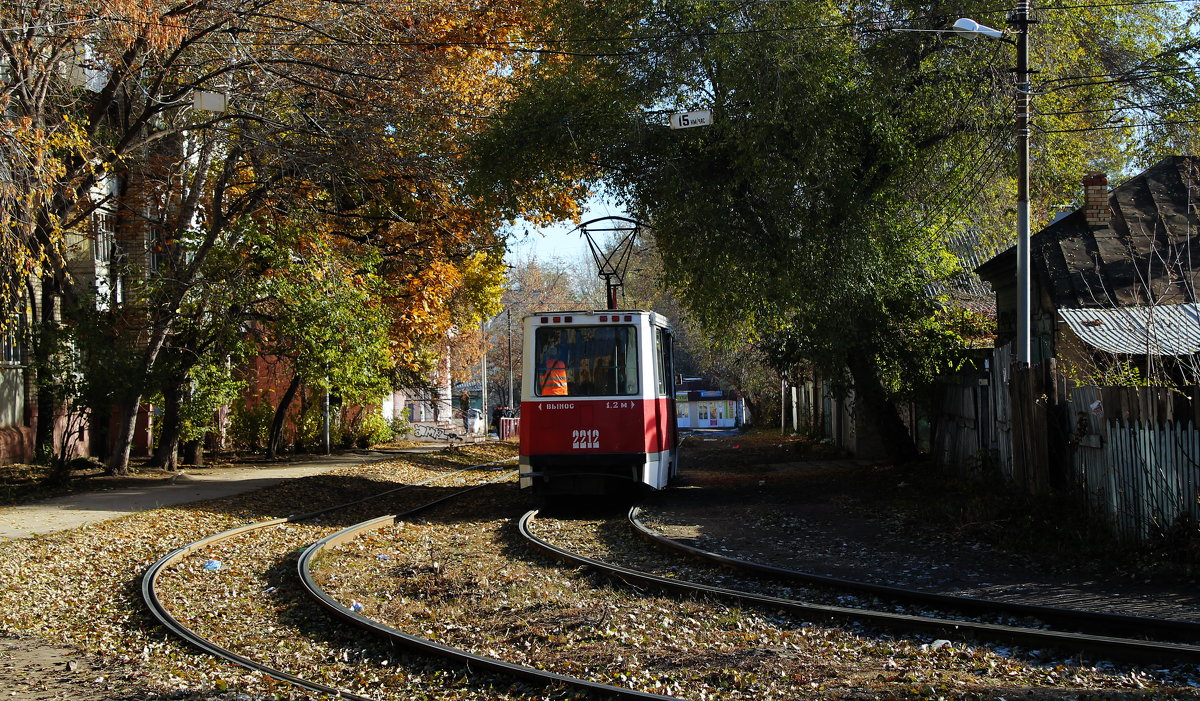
[
  {"x": 175, "y": 626},
  {"x": 1076, "y": 619},
  {"x": 1117, "y": 647},
  {"x": 472, "y": 660}
]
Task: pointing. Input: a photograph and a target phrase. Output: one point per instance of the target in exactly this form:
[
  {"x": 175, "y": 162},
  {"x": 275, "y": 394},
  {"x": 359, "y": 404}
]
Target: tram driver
[{"x": 552, "y": 378}]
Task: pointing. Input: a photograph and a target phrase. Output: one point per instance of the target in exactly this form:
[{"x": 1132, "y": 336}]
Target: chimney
[{"x": 1095, "y": 200}]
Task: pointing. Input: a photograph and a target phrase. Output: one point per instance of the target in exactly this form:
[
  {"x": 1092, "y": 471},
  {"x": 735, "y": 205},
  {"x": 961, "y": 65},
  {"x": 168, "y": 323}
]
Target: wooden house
[{"x": 1113, "y": 284}]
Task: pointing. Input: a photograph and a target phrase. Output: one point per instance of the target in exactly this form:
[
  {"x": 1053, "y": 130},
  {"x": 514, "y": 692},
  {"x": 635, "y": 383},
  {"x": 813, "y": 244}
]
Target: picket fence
[
  {"x": 1136, "y": 457},
  {"x": 1133, "y": 453}
]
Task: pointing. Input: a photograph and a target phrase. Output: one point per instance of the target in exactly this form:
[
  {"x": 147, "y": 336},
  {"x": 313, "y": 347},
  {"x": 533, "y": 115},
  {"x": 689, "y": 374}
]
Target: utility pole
[
  {"x": 483, "y": 373},
  {"x": 508, "y": 335},
  {"x": 328, "y": 443},
  {"x": 1020, "y": 21}
]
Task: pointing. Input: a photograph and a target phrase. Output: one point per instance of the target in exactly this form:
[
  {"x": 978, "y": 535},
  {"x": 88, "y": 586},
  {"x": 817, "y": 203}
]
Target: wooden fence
[
  {"x": 1132, "y": 452},
  {"x": 1136, "y": 455}
]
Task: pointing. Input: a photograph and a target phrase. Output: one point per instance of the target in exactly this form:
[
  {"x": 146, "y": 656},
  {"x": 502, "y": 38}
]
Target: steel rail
[
  {"x": 469, "y": 659},
  {"x": 174, "y": 625},
  {"x": 1123, "y": 648},
  {"x": 1138, "y": 625}
]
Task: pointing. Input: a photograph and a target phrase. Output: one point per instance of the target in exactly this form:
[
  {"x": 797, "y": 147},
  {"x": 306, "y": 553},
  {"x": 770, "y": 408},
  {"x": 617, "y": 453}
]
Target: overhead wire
[
  {"x": 238, "y": 35},
  {"x": 442, "y": 9},
  {"x": 1112, "y": 127},
  {"x": 971, "y": 174},
  {"x": 1121, "y": 108},
  {"x": 967, "y": 188}
]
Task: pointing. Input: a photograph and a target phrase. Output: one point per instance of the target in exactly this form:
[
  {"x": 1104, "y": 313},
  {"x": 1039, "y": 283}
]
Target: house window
[
  {"x": 158, "y": 250},
  {"x": 104, "y": 236},
  {"x": 12, "y": 347}
]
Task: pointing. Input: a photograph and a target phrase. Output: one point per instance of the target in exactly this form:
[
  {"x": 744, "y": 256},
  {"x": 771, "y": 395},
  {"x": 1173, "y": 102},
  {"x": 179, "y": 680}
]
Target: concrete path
[{"x": 197, "y": 484}]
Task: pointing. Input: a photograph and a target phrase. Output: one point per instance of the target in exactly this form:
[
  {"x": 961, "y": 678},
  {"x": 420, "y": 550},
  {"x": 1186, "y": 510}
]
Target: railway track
[
  {"x": 426, "y": 645},
  {"x": 187, "y": 625},
  {"x": 151, "y": 592},
  {"x": 1144, "y": 639},
  {"x": 1100, "y": 622},
  {"x": 365, "y": 659}
]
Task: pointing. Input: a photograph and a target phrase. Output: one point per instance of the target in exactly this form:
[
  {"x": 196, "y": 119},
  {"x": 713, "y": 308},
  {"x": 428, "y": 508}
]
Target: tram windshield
[{"x": 586, "y": 361}]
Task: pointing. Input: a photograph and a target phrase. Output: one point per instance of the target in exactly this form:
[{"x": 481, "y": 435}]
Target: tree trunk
[
  {"x": 99, "y": 425},
  {"x": 871, "y": 397},
  {"x": 193, "y": 452},
  {"x": 47, "y": 409},
  {"x": 127, "y": 412},
  {"x": 47, "y": 402},
  {"x": 166, "y": 453},
  {"x": 118, "y": 461},
  {"x": 276, "y": 437}
]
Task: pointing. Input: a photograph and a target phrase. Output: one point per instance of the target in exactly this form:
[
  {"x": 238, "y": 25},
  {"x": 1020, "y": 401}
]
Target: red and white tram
[{"x": 597, "y": 402}]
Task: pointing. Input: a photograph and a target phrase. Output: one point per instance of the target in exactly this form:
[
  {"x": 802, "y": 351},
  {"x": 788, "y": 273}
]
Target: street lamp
[
  {"x": 971, "y": 29},
  {"x": 1020, "y": 21}
]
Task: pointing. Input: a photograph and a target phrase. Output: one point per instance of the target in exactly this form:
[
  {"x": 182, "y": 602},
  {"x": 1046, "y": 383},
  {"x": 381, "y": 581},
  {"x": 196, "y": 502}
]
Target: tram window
[
  {"x": 662, "y": 370},
  {"x": 586, "y": 361}
]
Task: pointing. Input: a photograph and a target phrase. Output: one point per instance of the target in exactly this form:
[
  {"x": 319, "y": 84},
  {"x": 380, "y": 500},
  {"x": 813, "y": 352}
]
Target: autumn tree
[{"x": 182, "y": 120}]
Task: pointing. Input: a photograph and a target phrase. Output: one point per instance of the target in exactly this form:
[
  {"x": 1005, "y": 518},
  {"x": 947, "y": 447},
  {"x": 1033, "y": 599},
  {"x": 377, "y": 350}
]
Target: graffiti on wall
[{"x": 434, "y": 433}]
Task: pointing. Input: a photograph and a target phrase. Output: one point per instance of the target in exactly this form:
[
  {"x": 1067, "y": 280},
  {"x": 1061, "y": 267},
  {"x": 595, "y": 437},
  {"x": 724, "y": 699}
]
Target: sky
[{"x": 563, "y": 241}]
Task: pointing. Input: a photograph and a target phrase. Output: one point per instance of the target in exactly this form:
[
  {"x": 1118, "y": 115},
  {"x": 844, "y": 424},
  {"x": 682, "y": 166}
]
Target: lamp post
[
  {"x": 483, "y": 372},
  {"x": 508, "y": 336},
  {"x": 1020, "y": 21}
]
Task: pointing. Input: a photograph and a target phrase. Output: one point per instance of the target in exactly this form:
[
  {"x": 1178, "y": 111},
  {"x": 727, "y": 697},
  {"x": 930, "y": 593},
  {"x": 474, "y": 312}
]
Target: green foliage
[
  {"x": 83, "y": 370},
  {"x": 1111, "y": 371},
  {"x": 213, "y": 385},
  {"x": 356, "y": 427},
  {"x": 366, "y": 427},
  {"x": 483, "y": 284},
  {"x": 400, "y": 426},
  {"x": 250, "y": 424},
  {"x": 58, "y": 372},
  {"x": 326, "y": 317},
  {"x": 310, "y": 427}
]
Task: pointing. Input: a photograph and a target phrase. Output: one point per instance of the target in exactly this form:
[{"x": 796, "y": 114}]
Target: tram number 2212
[{"x": 585, "y": 438}]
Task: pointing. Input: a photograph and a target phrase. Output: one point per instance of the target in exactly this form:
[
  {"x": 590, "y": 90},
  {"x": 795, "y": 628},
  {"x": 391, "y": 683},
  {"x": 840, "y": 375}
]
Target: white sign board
[
  {"x": 208, "y": 101},
  {"x": 699, "y": 118}
]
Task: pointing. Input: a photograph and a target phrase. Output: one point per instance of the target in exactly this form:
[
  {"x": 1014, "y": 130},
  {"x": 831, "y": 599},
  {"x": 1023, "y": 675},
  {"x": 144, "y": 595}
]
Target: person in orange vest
[{"x": 553, "y": 378}]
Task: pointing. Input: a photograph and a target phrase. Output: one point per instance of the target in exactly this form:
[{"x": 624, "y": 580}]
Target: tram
[{"x": 597, "y": 403}]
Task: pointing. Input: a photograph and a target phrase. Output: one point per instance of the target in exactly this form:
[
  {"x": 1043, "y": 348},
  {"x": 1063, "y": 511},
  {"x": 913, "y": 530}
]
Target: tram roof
[
  {"x": 597, "y": 316},
  {"x": 591, "y": 312}
]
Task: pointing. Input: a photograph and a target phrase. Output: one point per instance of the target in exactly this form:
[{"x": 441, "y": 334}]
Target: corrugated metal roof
[{"x": 1169, "y": 329}]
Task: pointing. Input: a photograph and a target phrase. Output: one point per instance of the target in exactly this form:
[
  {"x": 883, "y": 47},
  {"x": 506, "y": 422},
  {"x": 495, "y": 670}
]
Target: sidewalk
[{"x": 195, "y": 484}]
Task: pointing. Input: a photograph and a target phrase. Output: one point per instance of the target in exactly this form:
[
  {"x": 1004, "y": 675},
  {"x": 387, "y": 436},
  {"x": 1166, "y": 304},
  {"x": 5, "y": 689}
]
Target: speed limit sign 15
[{"x": 698, "y": 118}]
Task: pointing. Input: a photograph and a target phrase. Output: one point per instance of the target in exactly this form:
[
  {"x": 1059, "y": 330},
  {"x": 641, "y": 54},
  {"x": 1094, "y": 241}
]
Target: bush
[
  {"x": 400, "y": 426},
  {"x": 365, "y": 429},
  {"x": 376, "y": 429},
  {"x": 310, "y": 430},
  {"x": 249, "y": 427}
]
